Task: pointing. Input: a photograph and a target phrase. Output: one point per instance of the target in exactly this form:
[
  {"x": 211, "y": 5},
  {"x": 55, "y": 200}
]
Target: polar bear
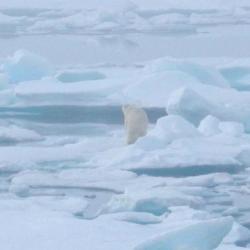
[{"x": 135, "y": 121}]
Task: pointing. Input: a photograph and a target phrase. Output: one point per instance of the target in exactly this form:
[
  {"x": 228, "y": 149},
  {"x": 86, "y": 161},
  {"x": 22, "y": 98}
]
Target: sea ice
[
  {"x": 203, "y": 74},
  {"x": 4, "y": 80},
  {"x": 166, "y": 130},
  {"x": 79, "y": 76},
  {"x": 209, "y": 126},
  {"x": 237, "y": 75},
  {"x": 16, "y": 134},
  {"x": 155, "y": 89},
  {"x": 206, "y": 235},
  {"x": 173, "y": 127},
  {"x": 232, "y": 128},
  {"x": 190, "y": 105},
  {"x": 139, "y": 218},
  {"x": 26, "y": 66},
  {"x": 66, "y": 183}
]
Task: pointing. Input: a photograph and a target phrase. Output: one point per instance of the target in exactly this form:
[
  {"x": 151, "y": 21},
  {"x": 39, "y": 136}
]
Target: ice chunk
[
  {"x": 78, "y": 76},
  {"x": 190, "y": 105},
  {"x": 154, "y": 206},
  {"x": 238, "y": 234},
  {"x": 155, "y": 89},
  {"x": 7, "y": 97},
  {"x": 26, "y": 66},
  {"x": 209, "y": 126},
  {"x": 232, "y": 128},
  {"x": 206, "y": 75},
  {"x": 4, "y": 80},
  {"x": 167, "y": 129},
  {"x": 192, "y": 99},
  {"x": 245, "y": 83},
  {"x": 142, "y": 198},
  {"x": 21, "y": 189},
  {"x": 173, "y": 127},
  {"x": 119, "y": 203},
  {"x": 237, "y": 75},
  {"x": 72, "y": 205},
  {"x": 244, "y": 157},
  {"x": 13, "y": 134},
  {"x": 205, "y": 235},
  {"x": 139, "y": 218}
]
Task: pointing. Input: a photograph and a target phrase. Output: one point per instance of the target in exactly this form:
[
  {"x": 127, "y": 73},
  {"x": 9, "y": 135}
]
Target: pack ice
[{"x": 68, "y": 180}]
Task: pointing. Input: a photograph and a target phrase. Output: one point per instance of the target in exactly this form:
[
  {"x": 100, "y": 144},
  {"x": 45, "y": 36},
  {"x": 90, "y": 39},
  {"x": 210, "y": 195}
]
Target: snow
[
  {"x": 75, "y": 232},
  {"x": 67, "y": 179}
]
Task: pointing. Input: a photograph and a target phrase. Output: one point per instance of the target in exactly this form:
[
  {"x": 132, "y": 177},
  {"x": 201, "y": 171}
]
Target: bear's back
[{"x": 136, "y": 121}]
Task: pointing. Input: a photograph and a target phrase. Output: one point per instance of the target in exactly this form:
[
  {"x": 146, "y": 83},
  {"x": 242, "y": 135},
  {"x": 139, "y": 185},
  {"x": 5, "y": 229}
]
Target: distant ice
[
  {"x": 18, "y": 17},
  {"x": 68, "y": 180}
]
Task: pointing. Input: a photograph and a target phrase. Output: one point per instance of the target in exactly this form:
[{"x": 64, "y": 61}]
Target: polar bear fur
[{"x": 135, "y": 121}]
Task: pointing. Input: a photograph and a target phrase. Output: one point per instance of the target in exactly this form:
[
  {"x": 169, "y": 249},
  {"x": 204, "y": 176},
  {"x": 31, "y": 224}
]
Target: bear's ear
[{"x": 125, "y": 107}]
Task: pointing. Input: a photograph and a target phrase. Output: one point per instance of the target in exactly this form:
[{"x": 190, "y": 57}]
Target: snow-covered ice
[
  {"x": 63, "y": 157},
  {"x": 193, "y": 237},
  {"x": 12, "y": 133},
  {"x": 67, "y": 178},
  {"x": 25, "y": 66}
]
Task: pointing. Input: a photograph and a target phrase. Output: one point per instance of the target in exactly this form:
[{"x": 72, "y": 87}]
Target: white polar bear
[{"x": 135, "y": 121}]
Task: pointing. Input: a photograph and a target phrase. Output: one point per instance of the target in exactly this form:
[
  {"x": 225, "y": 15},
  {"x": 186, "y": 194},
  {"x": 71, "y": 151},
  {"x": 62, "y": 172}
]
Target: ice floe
[
  {"x": 190, "y": 105},
  {"x": 26, "y": 66},
  {"x": 13, "y": 134},
  {"x": 193, "y": 237}
]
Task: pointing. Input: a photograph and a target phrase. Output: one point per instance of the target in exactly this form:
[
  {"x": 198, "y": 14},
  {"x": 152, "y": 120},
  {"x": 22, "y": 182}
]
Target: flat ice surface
[{"x": 67, "y": 179}]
